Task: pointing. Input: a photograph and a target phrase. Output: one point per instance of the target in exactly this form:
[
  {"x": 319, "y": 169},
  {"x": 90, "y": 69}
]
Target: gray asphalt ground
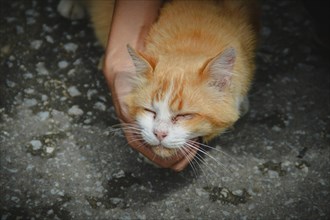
[{"x": 62, "y": 158}]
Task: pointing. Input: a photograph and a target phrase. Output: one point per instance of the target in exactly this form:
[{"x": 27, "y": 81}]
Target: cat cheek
[{"x": 145, "y": 122}]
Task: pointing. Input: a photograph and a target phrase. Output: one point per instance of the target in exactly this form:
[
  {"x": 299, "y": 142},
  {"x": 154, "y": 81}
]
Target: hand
[{"x": 130, "y": 25}]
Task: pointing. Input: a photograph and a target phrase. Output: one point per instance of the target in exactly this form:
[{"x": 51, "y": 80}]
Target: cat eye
[
  {"x": 150, "y": 111},
  {"x": 180, "y": 117}
]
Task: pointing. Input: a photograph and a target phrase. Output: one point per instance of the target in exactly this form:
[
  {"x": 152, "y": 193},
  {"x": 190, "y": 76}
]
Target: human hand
[{"x": 131, "y": 23}]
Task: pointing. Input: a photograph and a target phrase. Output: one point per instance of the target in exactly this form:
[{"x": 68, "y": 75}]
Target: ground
[{"x": 62, "y": 158}]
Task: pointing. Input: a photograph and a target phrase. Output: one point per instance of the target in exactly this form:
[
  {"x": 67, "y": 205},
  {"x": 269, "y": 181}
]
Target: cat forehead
[
  {"x": 168, "y": 94},
  {"x": 162, "y": 109}
]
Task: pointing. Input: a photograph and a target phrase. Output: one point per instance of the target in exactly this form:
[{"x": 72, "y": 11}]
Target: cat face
[{"x": 174, "y": 105}]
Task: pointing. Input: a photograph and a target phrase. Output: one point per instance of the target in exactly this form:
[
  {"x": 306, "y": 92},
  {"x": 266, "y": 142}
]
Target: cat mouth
[{"x": 180, "y": 152}]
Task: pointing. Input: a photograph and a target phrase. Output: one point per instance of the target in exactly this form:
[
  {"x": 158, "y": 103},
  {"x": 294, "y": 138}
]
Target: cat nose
[{"x": 160, "y": 134}]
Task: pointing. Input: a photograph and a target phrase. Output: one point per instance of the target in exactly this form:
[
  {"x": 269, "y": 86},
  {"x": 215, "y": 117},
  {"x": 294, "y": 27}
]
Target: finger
[{"x": 122, "y": 87}]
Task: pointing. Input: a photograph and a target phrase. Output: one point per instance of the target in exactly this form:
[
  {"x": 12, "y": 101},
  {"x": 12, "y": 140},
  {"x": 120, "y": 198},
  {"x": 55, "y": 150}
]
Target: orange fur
[{"x": 180, "y": 48}]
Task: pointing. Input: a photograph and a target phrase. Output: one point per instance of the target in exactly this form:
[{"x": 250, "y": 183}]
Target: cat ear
[
  {"x": 220, "y": 69},
  {"x": 140, "y": 61}
]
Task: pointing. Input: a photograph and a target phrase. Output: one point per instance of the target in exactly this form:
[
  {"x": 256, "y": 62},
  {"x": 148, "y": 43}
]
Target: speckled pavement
[{"x": 61, "y": 156}]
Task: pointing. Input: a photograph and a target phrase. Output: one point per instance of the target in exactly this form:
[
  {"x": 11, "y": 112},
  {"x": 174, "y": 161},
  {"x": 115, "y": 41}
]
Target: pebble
[
  {"x": 30, "y": 102},
  {"x": 90, "y": 93},
  {"x": 50, "y": 150},
  {"x": 46, "y": 28},
  {"x": 63, "y": 64},
  {"x": 70, "y": 47},
  {"x": 15, "y": 199},
  {"x": 75, "y": 110},
  {"x": 30, "y": 21},
  {"x": 36, "y": 44},
  {"x": 273, "y": 174},
  {"x": 29, "y": 91},
  {"x": 27, "y": 76},
  {"x": 116, "y": 201},
  {"x": 49, "y": 39},
  {"x": 10, "y": 84},
  {"x": 19, "y": 29},
  {"x": 100, "y": 106},
  {"x": 71, "y": 72},
  {"x": 5, "y": 50},
  {"x": 43, "y": 115},
  {"x": 73, "y": 91},
  {"x": 36, "y": 144},
  {"x": 200, "y": 192},
  {"x": 119, "y": 174},
  {"x": 41, "y": 69}
]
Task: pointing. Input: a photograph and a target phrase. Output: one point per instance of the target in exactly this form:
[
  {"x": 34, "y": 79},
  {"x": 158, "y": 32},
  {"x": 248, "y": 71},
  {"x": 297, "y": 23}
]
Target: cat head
[{"x": 175, "y": 102}]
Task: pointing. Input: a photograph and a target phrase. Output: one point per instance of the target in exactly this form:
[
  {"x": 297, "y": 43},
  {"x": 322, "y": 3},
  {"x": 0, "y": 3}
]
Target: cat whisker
[
  {"x": 206, "y": 154},
  {"x": 186, "y": 153},
  {"x": 218, "y": 150},
  {"x": 198, "y": 159}
]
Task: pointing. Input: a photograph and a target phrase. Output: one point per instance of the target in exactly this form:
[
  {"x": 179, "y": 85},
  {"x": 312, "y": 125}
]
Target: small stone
[
  {"x": 90, "y": 93},
  {"x": 41, "y": 69},
  {"x": 75, "y": 110},
  {"x": 30, "y": 21},
  {"x": 36, "y": 144},
  {"x": 44, "y": 98},
  {"x": 70, "y": 47},
  {"x": 27, "y": 76},
  {"x": 29, "y": 91},
  {"x": 200, "y": 192},
  {"x": 10, "y": 84},
  {"x": 29, "y": 167},
  {"x": 77, "y": 62},
  {"x": 46, "y": 28},
  {"x": 73, "y": 91},
  {"x": 63, "y": 64},
  {"x": 36, "y": 44},
  {"x": 49, "y": 39},
  {"x": 119, "y": 174},
  {"x": 288, "y": 202},
  {"x": 10, "y": 19},
  {"x": 226, "y": 213},
  {"x": 30, "y": 102},
  {"x": 19, "y": 29},
  {"x": 71, "y": 72},
  {"x": 50, "y": 150},
  {"x": 100, "y": 106},
  {"x": 116, "y": 201},
  {"x": 273, "y": 174},
  {"x": 276, "y": 128},
  {"x": 5, "y": 50},
  {"x": 43, "y": 115},
  {"x": 15, "y": 199}
]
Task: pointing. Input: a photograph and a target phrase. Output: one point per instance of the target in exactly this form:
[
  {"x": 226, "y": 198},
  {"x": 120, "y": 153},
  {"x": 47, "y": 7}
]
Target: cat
[{"x": 195, "y": 72}]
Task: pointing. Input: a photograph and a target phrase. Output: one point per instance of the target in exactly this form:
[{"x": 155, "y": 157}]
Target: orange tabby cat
[{"x": 194, "y": 75}]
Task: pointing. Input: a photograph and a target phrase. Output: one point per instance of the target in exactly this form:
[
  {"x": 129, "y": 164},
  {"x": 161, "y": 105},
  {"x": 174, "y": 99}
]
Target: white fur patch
[{"x": 177, "y": 135}]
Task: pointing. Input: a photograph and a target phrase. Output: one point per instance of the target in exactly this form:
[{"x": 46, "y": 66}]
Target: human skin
[{"x": 130, "y": 25}]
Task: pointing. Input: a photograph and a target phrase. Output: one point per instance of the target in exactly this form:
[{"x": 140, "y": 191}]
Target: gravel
[{"x": 62, "y": 156}]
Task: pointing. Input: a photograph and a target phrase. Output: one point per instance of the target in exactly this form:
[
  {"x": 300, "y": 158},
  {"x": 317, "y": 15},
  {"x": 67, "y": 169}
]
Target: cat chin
[{"x": 166, "y": 152}]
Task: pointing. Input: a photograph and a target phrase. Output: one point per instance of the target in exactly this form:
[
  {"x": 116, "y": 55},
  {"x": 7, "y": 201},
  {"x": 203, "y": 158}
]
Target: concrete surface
[{"x": 62, "y": 158}]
